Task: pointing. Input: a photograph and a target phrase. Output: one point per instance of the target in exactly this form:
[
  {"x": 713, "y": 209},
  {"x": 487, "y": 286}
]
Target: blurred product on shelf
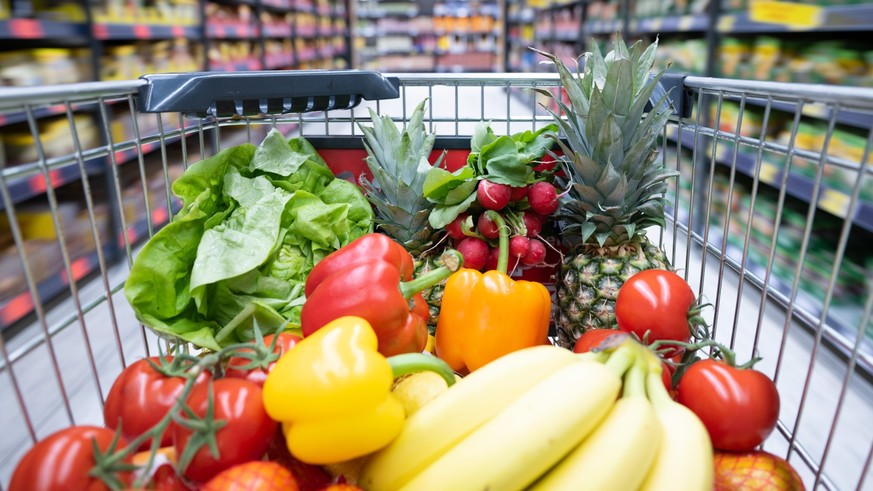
[
  {"x": 604, "y": 10},
  {"x": 659, "y": 8},
  {"x": 168, "y": 12},
  {"x": 684, "y": 55},
  {"x": 229, "y": 15},
  {"x": 440, "y": 37},
  {"x": 234, "y": 55},
  {"x": 55, "y": 136},
  {"x": 129, "y": 61},
  {"x": 785, "y": 60},
  {"x": 44, "y": 66}
]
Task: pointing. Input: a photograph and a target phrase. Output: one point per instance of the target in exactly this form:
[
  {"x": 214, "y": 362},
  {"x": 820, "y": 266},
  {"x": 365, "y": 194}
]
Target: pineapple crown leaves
[
  {"x": 611, "y": 152},
  {"x": 398, "y": 160}
]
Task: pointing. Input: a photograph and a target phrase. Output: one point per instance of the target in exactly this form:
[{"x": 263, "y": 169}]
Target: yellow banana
[
  {"x": 684, "y": 462},
  {"x": 620, "y": 452},
  {"x": 449, "y": 418},
  {"x": 529, "y": 436}
]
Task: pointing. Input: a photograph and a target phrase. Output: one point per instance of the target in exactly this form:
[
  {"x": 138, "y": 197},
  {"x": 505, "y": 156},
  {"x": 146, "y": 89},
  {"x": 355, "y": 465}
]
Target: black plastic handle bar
[{"x": 219, "y": 94}]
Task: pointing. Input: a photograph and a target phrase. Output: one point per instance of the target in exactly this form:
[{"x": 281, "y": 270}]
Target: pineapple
[
  {"x": 618, "y": 184},
  {"x": 399, "y": 164}
]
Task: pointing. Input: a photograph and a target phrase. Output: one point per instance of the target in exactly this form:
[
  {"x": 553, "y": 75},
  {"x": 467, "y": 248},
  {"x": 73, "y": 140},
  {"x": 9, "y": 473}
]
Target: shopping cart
[{"x": 742, "y": 230}]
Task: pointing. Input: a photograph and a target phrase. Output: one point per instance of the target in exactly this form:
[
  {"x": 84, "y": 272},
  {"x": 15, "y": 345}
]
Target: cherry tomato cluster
[
  {"x": 525, "y": 209},
  {"x": 738, "y": 405},
  {"x": 220, "y": 438}
]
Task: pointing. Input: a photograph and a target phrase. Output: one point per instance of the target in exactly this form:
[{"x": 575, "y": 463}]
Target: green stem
[
  {"x": 452, "y": 260},
  {"x": 656, "y": 391},
  {"x": 467, "y": 229},
  {"x": 503, "y": 247},
  {"x": 635, "y": 380},
  {"x": 621, "y": 359},
  {"x": 419, "y": 362},
  {"x": 595, "y": 356}
]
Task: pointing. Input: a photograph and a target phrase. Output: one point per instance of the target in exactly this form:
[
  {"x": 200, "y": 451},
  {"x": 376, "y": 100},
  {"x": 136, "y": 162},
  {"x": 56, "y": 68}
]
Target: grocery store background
[{"x": 59, "y": 41}]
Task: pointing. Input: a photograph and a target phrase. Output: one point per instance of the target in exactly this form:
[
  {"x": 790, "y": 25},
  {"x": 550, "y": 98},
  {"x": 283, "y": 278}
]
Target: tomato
[
  {"x": 62, "y": 460},
  {"x": 739, "y": 407},
  {"x": 245, "y": 436},
  {"x": 593, "y": 338},
  {"x": 140, "y": 397},
  {"x": 165, "y": 479},
  {"x": 285, "y": 342},
  {"x": 253, "y": 476},
  {"x": 654, "y": 305},
  {"x": 754, "y": 471}
]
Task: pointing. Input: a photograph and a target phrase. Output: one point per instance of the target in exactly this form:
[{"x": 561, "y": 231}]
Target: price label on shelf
[
  {"x": 686, "y": 22},
  {"x": 768, "y": 173},
  {"x": 834, "y": 202},
  {"x": 790, "y": 14},
  {"x": 26, "y": 28},
  {"x": 142, "y": 31}
]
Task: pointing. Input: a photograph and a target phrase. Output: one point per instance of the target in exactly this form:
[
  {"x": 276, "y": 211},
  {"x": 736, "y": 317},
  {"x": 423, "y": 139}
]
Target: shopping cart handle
[
  {"x": 681, "y": 98},
  {"x": 221, "y": 94}
]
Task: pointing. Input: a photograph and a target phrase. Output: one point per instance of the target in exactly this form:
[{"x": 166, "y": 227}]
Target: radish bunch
[
  {"x": 503, "y": 174},
  {"x": 524, "y": 208}
]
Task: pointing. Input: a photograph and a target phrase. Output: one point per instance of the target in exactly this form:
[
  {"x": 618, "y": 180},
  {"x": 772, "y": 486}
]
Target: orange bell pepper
[{"x": 485, "y": 316}]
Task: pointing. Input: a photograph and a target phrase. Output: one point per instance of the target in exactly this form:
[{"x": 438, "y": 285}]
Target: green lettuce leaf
[{"x": 253, "y": 223}]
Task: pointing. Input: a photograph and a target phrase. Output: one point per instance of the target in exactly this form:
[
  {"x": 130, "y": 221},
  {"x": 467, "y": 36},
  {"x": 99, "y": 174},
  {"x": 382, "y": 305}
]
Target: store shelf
[
  {"x": 560, "y": 37},
  {"x": 560, "y": 5},
  {"x": 230, "y": 31},
  {"x": 236, "y": 66},
  {"x": 603, "y": 26},
  {"x": 16, "y": 29},
  {"x": 107, "y": 31},
  {"x": 30, "y": 187},
  {"x": 281, "y": 5},
  {"x": 681, "y": 23},
  {"x": 852, "y": 118},
  {"x": 280, "y": 60},
  {"x": 277, "y": 31},
  {"x": 21, "y": 305},
  {"x": 20, "y": 117},
  {"x": 812, "y": 19},
  {"x": 379, "y": 14},
  {"x": 834, "y": 201}
]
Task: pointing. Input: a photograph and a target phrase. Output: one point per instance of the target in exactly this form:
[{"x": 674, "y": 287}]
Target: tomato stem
[{"x": 111, "y": 462}]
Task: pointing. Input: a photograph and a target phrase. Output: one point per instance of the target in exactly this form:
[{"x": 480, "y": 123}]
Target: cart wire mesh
[{"x": 770, "y": 221}]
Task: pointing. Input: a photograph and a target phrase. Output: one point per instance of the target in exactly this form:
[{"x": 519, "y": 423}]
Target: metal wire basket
[{"x": 769, "y": 222}]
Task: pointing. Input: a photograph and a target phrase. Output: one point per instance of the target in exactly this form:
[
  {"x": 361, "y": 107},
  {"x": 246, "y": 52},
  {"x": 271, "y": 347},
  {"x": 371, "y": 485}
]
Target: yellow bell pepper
[
  {"x": 332, "y": 392},
  {"x": 486, "y": 316}
]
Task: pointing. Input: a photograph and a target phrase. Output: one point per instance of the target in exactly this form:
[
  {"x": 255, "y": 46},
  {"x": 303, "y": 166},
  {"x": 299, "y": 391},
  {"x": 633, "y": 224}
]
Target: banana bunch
[{"x": 544, "y": 418}]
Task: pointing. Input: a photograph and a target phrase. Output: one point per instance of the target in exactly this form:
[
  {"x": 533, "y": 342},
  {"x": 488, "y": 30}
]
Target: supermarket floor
[{"x": 829, "y": 414}]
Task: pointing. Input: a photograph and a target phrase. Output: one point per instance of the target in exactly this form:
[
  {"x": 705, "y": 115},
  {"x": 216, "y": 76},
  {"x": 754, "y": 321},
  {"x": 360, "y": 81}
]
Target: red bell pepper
[{"x": 369, "y": 278}]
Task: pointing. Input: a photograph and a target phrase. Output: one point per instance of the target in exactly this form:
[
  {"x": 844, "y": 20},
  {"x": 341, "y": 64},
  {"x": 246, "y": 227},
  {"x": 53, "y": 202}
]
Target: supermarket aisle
[{"x": 35, "y": 373}]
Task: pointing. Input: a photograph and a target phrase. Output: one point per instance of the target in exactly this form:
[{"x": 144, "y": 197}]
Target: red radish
[
  {"x": 543, "y": 198},
  {"x": 492, "y": 259},
  {"x": 475, "y": 252},
  {"x": 533, "y": 222},
  {"x": 454, "y": 227},
  {"x": 487, "y": 228},
  {"x": 518, "y": 193},
  {"x": 493, "y": 196},
  {"x": 536, "y": 254},
  {"x": 519, "y": 246}
]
